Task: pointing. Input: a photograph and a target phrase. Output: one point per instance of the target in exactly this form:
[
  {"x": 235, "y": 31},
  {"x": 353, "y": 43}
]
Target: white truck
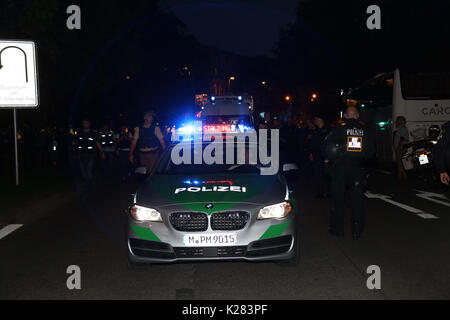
[{"x": 228, "y": 113}]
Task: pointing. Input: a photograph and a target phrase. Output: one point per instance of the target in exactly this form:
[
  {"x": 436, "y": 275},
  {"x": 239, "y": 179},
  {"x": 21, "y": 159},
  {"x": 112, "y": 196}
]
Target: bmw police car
[{"x": 211, "y": 212}]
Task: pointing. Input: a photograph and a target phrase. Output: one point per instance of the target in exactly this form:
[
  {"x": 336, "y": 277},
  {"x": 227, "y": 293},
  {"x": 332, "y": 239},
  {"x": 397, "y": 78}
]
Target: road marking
[
  {"x": 406, "y": 207},
  {"x": 428, "y": 196},
  {"x": 9, "y": 229},
  {"x": 427, "y": 216}
]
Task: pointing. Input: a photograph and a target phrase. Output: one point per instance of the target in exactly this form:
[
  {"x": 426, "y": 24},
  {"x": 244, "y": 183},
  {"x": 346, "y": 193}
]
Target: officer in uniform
[
  {"x": 441, "y": 154},
  {"x": 347, "y": 147},
  {"x": 149, "y": 141},
  {"x": 86, "y": 144},
  {"x": 108, "y": 142}
]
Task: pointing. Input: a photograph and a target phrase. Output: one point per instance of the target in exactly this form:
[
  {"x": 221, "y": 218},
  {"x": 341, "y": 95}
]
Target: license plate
[
  {"x": 423, "y": 159},
  {"x": 210, "y": 240}
]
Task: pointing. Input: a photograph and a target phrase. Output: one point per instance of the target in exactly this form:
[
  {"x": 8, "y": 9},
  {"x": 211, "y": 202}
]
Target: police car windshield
[{"x": 168, "y": 167}]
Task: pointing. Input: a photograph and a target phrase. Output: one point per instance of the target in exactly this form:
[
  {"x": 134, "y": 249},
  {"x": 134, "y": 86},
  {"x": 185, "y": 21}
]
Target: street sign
[
  {"x": 18, "y": 74},
  {"x": 18, "y": 81}
]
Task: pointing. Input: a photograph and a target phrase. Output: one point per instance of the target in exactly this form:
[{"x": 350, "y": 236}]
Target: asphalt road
[{"x": 410, "y": 244}]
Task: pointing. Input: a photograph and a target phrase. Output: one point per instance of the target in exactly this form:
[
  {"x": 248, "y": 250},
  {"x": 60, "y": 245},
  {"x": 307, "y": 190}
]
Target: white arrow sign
[
  {"x": 388, "y": 199},
  {"x": 18, "y": 74},
  {"x": 428, "y": 196}
]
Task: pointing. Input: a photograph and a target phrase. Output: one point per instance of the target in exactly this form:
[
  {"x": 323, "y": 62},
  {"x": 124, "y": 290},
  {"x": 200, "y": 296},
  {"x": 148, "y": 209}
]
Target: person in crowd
[
  {"x": 290, "y": 134},
  {"x": 315, "y": 146},
  {"x": 86, "y": 144},
  {"x": 124, "y": 138},
  {"x": 348, "y": 146},
  {"x": 441, "y": 154},
  {"x": 303, "y": 132},
  {"x": 401, "y": 137},
  {"x": 40, "y": 147},
  {"x": 308, "y": 134},
  {"x": 149, "y": 141},
  {"x": 108, "y": 142}
]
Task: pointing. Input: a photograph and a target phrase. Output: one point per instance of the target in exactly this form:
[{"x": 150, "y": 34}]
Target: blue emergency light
[{"x": 189, "y": 182}]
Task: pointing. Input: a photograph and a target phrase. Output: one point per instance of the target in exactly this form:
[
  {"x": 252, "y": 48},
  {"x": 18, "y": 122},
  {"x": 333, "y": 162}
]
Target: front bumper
[
  {"x": 280, "y": 248},
  {"x": 260, "y": 240}
]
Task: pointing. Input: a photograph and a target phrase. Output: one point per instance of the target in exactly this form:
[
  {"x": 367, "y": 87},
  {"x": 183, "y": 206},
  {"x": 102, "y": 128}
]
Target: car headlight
[
  {"x": 277, "y": 211},
  {"x": 145, "y": 214}
]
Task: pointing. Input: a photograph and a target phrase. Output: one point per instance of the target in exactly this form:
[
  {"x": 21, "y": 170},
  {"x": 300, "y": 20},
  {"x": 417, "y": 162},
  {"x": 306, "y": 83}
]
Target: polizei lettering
[
  {"x": 212, "y": 189},
  {"x": 355, "y": 132}
]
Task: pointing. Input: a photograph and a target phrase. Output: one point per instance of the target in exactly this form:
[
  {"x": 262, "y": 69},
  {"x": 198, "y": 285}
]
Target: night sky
[
  {"x": 138, "y": 52},
  {"x": 249, "y": 28}
]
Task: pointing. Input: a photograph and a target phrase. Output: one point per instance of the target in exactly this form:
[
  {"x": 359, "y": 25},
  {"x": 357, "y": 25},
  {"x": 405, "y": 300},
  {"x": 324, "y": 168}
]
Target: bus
[{"x": 423, "y": 98}]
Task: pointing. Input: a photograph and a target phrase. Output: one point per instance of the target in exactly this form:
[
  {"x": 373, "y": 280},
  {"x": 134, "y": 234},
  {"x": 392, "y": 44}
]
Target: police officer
[
  {"x": 441, "y": 154},
  {"x": 124, "y": 139},
  {"x": 108, "y": 142},
  {"x": 347, "y": 147},
  {"x": 149, "y": 141},
  {"x": 86, "y": 144}
]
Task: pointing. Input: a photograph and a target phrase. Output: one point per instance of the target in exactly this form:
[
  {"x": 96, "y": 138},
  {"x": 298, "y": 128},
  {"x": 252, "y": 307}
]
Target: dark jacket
[
  {"x": 441, "y": 151},
  {"x": 315, "y": 144},
  {"x": 350, "y": 143}
]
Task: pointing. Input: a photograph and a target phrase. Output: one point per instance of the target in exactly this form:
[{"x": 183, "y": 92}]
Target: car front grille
[
  {"x": 228, "y": 221},
  {"x": 211, "y": 252},
  {"x": 189, "y": 221}
]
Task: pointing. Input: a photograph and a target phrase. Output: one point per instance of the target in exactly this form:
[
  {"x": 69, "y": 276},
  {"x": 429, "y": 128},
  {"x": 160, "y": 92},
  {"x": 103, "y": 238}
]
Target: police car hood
[{"x": 224, "y": 191}]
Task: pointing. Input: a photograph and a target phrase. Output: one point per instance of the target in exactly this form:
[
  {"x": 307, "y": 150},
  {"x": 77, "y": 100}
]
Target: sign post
[
  {"x": 19, "y": 87},
  {"x": 16, "y": 148}
]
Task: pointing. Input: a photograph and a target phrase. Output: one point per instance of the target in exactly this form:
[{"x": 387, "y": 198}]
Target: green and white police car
[{"x": 212, "y": 212}]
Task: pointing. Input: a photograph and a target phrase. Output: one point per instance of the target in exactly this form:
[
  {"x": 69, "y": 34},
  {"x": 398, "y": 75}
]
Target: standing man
[
  {"x": 86, "y": 143},
  {"x": 316, "y": 156},
  {"x": 347, "y": 147},
  {"x": 149, "y": 140},
  {"x": 441, "y": 154},
  {"x": 401, "y": 137},
  {"x": 124, "y": 139},
  {"x": 289, "y": 138}
]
